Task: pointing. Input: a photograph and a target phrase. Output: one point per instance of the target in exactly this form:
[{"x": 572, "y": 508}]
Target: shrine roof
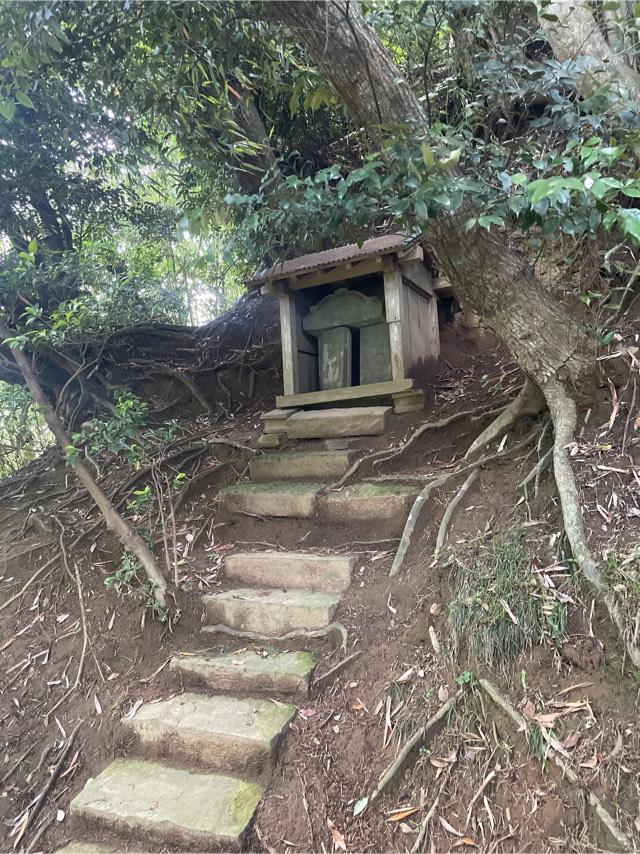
[{"x": 385, "y": 245}]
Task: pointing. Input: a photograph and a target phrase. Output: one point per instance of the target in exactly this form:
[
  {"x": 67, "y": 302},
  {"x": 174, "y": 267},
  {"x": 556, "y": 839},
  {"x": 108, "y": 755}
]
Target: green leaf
[
  {"x": 629, "y": 221},
  {"x": 24, "y": 99},
  {"x": 33, "y": 246},
  {"x": 451, "y": 161},
  {"x": 422, "y": 211},
  {"x": 7, "y": 110},
  {"x": 487, "y": 220},
  {"x": 427, "y": 156}
]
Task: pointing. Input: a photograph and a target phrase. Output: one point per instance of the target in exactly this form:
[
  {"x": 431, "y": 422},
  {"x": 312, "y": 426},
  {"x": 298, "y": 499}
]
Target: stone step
[
  {"x": 333, "y": 423},
  {"x": 217, "y": 733},
  {"x": 87, "y": 848},
  {"x": 271, "y": 613},
  {"x": 291, "y": 570},
  {"x": 249, "y": 670},
  {"x": 147, "y": 802},
  {"x": 369, "y": 502},
  {"x": 325, "y": 466},
  {"x": 297, "y": 500}
]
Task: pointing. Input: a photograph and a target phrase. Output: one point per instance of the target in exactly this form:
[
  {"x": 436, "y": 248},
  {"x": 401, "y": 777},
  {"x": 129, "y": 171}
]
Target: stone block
[
  {"x": 375, "y": 354},
  {"x": 369, "y": 502},
  {"x": 343, "y": 308},
  {"x": 337, "y": 444},
  {"x": 180, "y": 810},
  {"x": 290, "y": 570},
  {"x": 270, "y": 440},
  {"x": 87, "y": 848},
  {"x": 249, "y": 670},
  {"x": 295, "y": 500},
  {"x": 334, "y": 358},
  {"x": 408, "y": 401},
  {"x": 275, "y": 421},
  {"x": 334, "y": 423},
  {"x": 320, "y": 466},
  {"x": 217, "y": 733},
  {"x": 271, "y": 613}
]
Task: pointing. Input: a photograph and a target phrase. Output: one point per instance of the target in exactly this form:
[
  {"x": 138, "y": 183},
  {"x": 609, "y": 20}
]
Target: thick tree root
[
  {"x": 411, "y": 747},
  {"x": 563, "y": 412},
  {"x": 436, "y": 483},
  {"x": 390, "y": 453},
  {"x": 555, "y": 750},
  {"x": 530, "y": 401},
  {"x": 451, "y": 509}
]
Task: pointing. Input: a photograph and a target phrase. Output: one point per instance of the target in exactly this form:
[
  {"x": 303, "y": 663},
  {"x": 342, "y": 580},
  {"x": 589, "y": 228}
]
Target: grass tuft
[{"x": 498, "y": 609}]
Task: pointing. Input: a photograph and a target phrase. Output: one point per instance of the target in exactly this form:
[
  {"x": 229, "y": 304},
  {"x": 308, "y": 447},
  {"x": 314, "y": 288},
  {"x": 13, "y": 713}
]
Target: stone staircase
[{"x": 201, "y": 760}]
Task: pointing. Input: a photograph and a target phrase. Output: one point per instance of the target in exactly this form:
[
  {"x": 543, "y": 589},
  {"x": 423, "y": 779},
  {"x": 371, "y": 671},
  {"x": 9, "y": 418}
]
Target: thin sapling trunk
[{"x": 130, "y": 540}]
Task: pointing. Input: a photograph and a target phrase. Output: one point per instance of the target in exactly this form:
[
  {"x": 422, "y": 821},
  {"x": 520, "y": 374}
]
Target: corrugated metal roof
[{"x": 329, "y": 258}]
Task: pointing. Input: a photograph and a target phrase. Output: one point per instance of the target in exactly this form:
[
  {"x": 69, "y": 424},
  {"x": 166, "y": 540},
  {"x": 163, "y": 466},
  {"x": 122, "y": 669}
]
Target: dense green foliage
[{"x": 153, "y": 153}]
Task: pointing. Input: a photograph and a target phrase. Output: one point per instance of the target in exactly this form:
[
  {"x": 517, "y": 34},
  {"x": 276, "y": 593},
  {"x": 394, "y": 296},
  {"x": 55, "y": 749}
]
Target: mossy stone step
[
  {"x": 296, "y": 500},
  {"x": 271, "y": 613},
  {"x": 291, "y": 570},
  {"x": 249, "y": 670},
  {"x": 303, "y": 465},
  {"x": 370, "y": 502},
  {"x": 147, "y": 802},
  {"x": 217, "y": 733}
]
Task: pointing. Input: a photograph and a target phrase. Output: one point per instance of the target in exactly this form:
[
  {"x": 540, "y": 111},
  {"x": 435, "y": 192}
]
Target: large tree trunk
[
  {"x": 573, "y": 32},
  {"x": 547, "y": 337}
]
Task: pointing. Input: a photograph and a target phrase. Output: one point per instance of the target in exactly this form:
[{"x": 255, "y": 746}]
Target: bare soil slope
[{"x": 492, "y": 789}]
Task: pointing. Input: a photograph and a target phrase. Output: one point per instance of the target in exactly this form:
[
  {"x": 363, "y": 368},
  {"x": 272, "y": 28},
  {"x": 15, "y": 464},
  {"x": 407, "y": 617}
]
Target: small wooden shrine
[{"x": 356, "y": 321}]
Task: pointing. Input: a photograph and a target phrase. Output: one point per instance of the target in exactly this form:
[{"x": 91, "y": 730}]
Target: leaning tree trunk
[{"x": 547, "y": 337}]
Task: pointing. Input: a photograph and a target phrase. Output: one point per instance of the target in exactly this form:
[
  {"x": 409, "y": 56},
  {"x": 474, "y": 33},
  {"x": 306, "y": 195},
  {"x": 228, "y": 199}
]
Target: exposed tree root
[
  {"x": 563, "y": 412},
  {"x": 536, "y": 471},
  {"x": 410, "y": 524},
  {"x": 411, "y": 746},
  {"x": 436, "y": 483},
  {"x": 390, "y": 453},
  {"x": 555, "y": 750},
  {"x": 530, "y": 401},
  {"x": 446, "y": 519},
  {"x": 337, "y": 668}
]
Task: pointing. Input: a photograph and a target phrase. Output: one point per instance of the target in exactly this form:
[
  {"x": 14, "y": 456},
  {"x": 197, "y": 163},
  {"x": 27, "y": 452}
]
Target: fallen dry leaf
[
  {"x": 338, "y": 838},
  {"x": 435, "y": 643},
  {"x": 398, "y": 815},
  {"x": 571, "y": 740},
  {"x": 529, "y": 710},
  {"x": 465, "y": 840},
  {"x": 448, "y": 827},
  {"x": 443, "y": 693},
  {"x": 548, "y": 720},
  {"x": 590, "y": 763},
  {"x": 617, "y": 747},
  {"x": 406, "y": 675}
]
